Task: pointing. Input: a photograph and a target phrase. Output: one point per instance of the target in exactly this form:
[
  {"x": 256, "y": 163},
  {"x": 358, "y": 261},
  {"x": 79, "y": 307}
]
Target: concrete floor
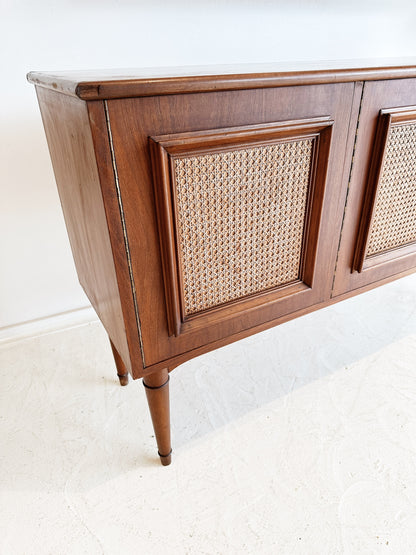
[{"x": 281, "y": 445}]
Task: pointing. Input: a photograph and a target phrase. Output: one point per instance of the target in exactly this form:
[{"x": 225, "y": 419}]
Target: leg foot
[
  {"x": 122, "y": 373},
  {"x": 123, "y": 378},
  {"x": 157, "y": 393}
]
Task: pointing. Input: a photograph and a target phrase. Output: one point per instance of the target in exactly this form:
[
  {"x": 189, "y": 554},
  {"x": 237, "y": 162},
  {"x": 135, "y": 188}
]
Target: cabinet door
[
  {"x": 232, "y": 203},
  {"x": 379, "y": 233},
  {"x": 239, "y": 215}
]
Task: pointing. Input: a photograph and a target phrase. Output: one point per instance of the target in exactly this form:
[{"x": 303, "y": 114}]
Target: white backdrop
[{"x": 37, "y": 276}]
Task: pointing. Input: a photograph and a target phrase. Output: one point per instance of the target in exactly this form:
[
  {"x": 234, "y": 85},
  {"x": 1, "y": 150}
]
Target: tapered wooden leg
[
  {"x": 122, "y": 373},
  {"x": 157, "y": 393}
]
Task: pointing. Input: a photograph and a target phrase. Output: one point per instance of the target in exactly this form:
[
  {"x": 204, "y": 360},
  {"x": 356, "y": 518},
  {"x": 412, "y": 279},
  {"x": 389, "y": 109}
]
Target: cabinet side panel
[{"x": 71, "y": 148}]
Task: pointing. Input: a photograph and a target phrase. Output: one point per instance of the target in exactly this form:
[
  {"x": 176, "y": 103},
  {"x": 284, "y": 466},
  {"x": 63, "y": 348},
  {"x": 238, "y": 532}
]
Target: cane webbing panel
[
  {"x": 240, "y": 218},
  {"x": 394, "y": 222}
]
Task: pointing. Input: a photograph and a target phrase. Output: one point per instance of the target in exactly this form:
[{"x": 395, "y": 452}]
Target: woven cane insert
[
  {"x": 394, "y": 222},
  {"x": 240, "y": 219}
]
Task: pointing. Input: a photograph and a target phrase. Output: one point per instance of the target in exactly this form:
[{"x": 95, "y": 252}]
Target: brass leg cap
[
  {"x": 166, "y": 459},
  {"x": 124, "y": 379}
]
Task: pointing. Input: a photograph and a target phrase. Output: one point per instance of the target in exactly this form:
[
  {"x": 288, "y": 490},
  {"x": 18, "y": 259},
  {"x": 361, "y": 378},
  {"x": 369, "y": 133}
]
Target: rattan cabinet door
[
  {"x": 239, "y": 215},
  {"x": 232, "y": 204},
  {"x": 379, "y": 234}
]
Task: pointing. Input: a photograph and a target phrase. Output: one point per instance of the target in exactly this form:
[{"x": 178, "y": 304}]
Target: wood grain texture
[
  {"x": 157, "y": 393},
  {"x": 367, "y": 212},
  {"x": 106, "y": 84},
  {"x": 313, "y": 137},
  {"x": 122, "y": 373},
  {"x": 134, "y": 120},
  {"x": 119, "y": 164},
  {"x": 397, "y": 217},
  {"x": 180, "y": 359},
  {"x": 71, "y": 147},
  {"x": 113, "y": 203},
  {"x": 369, "y": 151}
]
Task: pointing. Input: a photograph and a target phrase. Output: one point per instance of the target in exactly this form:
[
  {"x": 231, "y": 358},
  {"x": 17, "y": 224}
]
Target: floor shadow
[
  {"x": 221, "y": 386},
  {"x": 68, "y": 425}
]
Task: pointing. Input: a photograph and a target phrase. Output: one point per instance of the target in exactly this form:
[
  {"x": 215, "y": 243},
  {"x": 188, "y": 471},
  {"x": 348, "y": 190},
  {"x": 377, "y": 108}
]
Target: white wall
[{"x": 37, "y": 276}]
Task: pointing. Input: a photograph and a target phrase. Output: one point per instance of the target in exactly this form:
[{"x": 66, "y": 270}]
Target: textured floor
[{"x": 300, "y": 440}]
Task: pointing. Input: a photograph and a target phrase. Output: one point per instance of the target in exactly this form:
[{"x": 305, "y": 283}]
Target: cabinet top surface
[{"x": 106, "y": 84}]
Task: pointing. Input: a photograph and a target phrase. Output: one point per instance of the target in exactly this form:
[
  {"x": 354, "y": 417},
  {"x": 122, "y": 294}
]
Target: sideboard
[{"x": 206, "y": 204}]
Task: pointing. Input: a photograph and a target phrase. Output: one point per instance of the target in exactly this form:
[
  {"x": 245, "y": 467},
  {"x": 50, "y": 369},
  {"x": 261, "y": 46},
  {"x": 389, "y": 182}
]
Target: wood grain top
[{"x": 106, "y": 84}]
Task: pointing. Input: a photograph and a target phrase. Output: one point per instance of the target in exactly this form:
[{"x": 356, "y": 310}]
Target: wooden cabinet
[{"x": 202, "y": 208}]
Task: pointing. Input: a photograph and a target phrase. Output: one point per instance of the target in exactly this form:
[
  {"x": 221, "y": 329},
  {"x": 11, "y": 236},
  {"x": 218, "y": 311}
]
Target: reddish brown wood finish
[
  {"x": 157, "y": 393},
  {"x": 386, "y": 120},
  {"x": 113, "y": 205},
  {"x": 122, "y": 373},
  {"x": 71, "y": 147},
  {"x": 353, "y": 271},
  {"x": 168, "y": 148},
  {"x": 102, "y": 84},
  {"x": 122, "y": 230},
  {"x": 132, "y": 121}
]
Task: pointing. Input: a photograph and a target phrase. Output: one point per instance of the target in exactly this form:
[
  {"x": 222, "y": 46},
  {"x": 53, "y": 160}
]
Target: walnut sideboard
[{"x": 204, "y": 205}]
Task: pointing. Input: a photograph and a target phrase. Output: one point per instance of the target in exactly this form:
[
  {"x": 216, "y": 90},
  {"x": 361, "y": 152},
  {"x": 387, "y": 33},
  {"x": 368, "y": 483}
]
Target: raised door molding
[
  {"x": 239, "y": 211},
  {"x": 154, "y": 138},
  {"x": 378, "y": 238},
  {"x": 388, "y": 220}
]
